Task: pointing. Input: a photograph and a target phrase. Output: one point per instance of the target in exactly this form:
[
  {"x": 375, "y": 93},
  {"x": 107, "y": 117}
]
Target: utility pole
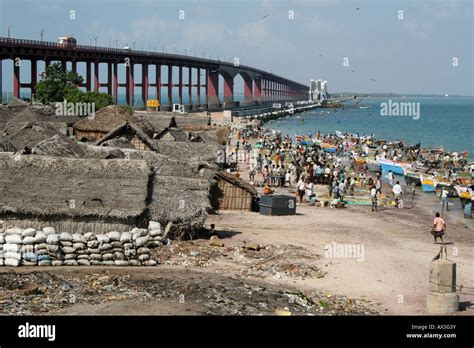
[
  {"x": 95, "y": 39},
  {"x": 116, "y": 43},
  {"x": 9, "y": 28},
  {"x": 134, "y": 45},
  {"x": 42, "y": 34}
]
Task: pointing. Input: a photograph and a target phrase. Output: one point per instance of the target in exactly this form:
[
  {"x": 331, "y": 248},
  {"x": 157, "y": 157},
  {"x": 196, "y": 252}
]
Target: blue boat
[{"x": 391, "y": 166}]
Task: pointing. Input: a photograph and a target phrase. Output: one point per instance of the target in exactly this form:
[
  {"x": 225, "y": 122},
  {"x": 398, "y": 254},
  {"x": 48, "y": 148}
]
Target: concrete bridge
[{"x": 260, "y": 87}]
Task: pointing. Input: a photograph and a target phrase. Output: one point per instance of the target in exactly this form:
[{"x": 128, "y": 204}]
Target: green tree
[{"x": 56, "y": 83}]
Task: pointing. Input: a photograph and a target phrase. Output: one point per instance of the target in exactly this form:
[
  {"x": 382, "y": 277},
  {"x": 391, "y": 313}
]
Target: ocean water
[{"x": 443, "y": 121}]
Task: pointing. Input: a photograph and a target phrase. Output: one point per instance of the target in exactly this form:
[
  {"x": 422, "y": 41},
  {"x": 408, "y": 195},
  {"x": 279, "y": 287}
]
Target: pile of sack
[{"x": 46, "y": 247}]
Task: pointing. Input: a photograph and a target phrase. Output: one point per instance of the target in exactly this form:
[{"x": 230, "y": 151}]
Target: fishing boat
[
  {"x": 412, "y": 178},
  {"x": 394, "y": 167},
  {"x": 373, "y": 164},
  {"x": 428, "y": 183},
  {"x": 364, "y": 107}
]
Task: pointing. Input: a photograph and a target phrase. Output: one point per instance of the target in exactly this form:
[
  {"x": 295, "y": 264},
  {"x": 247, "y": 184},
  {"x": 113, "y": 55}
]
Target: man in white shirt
[
  {"x": 373, "y": 196},
  {"x": 444, "y": 198},
  {"x": 397, "y": 193},
  {"x": 390, "y": 177}
]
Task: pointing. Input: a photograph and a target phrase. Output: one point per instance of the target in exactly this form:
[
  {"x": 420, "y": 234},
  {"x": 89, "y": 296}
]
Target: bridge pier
[
  {"x": 198, "y": 87},
  {"x": 1, "y": 79},
  {"x": 144, "y": 83},
  {"x": 228, "y": 91},
  {"x": 88, "y": 76},
  {"x": 16, "y": 80},
  {"x": 115, "y": 84},
  {"x": 158, "y": 81},
  {"x": 170, "y": 86},
  {"x": 190, "y": 87},
  {"x": 34, "y": 76},
  {"x": 257, "y": 90},
  {"x": 96, "y": 76},
  {"x": 180, "y": 84},
  {"x": 130, "y": 93},
  {"x": 212, "y": 90},
  {"x": 248, "y": 95}
]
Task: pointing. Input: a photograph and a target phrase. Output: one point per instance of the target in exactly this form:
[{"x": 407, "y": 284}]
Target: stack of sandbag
[
  {"x": 53, "y": 247},
  {"x": 129, "y": 250},
  {"x": 41, "y": 247},
  {"x": 141, "y": 238},
  {"x": 155, "y": 234},
  {"x": 2, "y": 241},
  {"x": 92, "y": 244},
  {"x": 105, "y": 249},
  {"x": 12, "y": 247},
  {"x": 67, "y": 249},
  {"x": 29, "y": 257},
  {"x": 79, "y": 243},
  {"x": 117, "y": 251}
]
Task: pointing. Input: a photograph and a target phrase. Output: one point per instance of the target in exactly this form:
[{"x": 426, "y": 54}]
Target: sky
[{"x": 364, "y": 46}]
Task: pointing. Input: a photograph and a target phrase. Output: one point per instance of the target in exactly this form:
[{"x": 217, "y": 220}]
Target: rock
[
  {"x": 214, "y": 241},
  {"x": 252, "y": 246}
]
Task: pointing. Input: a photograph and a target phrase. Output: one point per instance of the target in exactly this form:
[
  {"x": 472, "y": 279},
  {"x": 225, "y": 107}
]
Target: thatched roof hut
[
  {"x": 189, "y": 151},
  {"x": 158, "y": 121},
  {"x": 130, "y": 136},
  {"x": 59, "y": 146},
  {"x": 172, "y": 134},
  {"x": 104, "y": 121},
  {"x": 232, "y": 193},
  {"x": 187, "y": 121},
  {"x": 17, "y": 136},
  {"x": 16, "y": 102},
  {"x": 73, "y": 194}
]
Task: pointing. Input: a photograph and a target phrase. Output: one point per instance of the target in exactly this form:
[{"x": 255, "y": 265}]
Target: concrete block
[
  {"x": 442, "y": 303},
  {"x": 443, "y": 276}
]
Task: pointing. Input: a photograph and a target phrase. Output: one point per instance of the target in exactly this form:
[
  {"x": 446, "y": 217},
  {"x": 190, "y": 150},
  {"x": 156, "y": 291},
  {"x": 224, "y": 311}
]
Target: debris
[{"x": 214, "y": 241}]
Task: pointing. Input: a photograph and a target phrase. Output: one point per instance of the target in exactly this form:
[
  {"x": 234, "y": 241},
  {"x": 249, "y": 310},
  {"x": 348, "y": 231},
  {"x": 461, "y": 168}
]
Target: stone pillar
[
  {"x": 16, "y": 79},
  {"x": 170, "y": 85},
  {"x": 212, "y": 89},
  {"x": 115, "y": 83},
  {"x": 34, "y": 76},
  {"x": 144, "y": 83},
  {"x": 96, "y": 76},
  {"x": 88, "y": 76},
  {"x": 158, "y": 82},
  {"x": 442, "y": 297},
  {"x": 180, "y": 84},
  {"x": 198, "y": 86},
  {"x": 109, "y": 79},
  {"x": 190, "y": 87}
]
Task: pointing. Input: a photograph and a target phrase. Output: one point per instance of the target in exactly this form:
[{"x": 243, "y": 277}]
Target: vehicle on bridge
[{"x": 67, "y": 41}]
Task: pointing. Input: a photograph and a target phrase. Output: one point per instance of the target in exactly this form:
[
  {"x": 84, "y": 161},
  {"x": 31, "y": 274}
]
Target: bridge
[{"x": 260, "y": 87}]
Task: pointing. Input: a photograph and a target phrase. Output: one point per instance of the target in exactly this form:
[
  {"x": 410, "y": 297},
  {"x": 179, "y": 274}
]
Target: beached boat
[
  {"x": 395, "y": 167},
  {"x": 412, "y": 178},
  {"x": 373, "y": 165},
  {"x": 428, "y": 183}
]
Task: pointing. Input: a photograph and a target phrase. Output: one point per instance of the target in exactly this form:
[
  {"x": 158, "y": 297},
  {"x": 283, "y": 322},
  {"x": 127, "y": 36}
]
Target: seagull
[
  {"x": 264, "y": 17},
  {"x": 353, "y": 70},
  {"x": 357, "y": 8},
  {"x": 372, "y": 80}
]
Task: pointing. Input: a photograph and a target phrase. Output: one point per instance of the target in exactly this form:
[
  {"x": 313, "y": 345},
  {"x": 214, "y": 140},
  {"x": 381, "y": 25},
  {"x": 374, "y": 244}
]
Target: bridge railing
[{"x": 49, "y": 44}]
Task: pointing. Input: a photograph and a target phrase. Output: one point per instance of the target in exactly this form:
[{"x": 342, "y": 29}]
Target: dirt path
[{"x": 397, "y": 251}]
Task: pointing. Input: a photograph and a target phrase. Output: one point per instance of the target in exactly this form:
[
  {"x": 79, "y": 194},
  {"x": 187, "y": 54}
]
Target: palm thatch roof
[
  {"x": 59, "y": 146},
  {"x": 105, "y": 120},
  {"x": 189, "y": 151},
  {"x": 177, "y": 134},
  {"x": 16, "y": 102},
  {"x": 21, "y": 135},
  {"x": 236, "y": 182},
  {"x": 127, "y": 131},
  {"x": 42, "y": 186},
  {"x": 24, "y": 115},
  {"x": 158, "y": 121},
  {"x": 192, "y": 121}
]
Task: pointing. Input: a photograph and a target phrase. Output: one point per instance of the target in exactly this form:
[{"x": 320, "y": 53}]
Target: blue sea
[{"x": 443, "y": 121}]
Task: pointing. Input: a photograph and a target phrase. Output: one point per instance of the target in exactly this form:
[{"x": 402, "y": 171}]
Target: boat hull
[
  {"x": 412, "y": 179},
  {"x": 392, "y": 167}
]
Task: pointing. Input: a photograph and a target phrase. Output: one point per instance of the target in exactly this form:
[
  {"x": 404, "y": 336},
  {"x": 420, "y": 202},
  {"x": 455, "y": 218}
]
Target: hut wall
[
  {"x": 232, "y": 197},
  {"x": 84, "y": 134},
  {"x": 138, "y": 144}
]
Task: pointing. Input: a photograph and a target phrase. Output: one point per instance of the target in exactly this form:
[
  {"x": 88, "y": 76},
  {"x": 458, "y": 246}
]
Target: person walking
[
  {"x": 439, "y": 227},
  {"x": 301, "y": 188},
  {"x": 373, "y": 197},
  {"x": 444, "y": 199},
  {"x": 378, "y": 184},
  {"x": 391, "y": 177},
  {"x": 397, "y": 193}
]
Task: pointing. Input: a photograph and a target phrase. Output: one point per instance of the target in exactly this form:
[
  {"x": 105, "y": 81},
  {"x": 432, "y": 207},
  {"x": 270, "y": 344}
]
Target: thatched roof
[
  {"x": 105, "y": 120},
  {"x": 236, "y": 182},
  {"x": 128, "y": 131},
  {"x": 158, "y": 121},
  {"x": 20, "y": 135},
  {"x": 176, "y": 133},
  {"x": 16, "y": 102},
  {"x": 24, "y": 115},
  {"x": 60, "y": 146},
  {"x": 54, "y": 186},
  {"x": 188, "y": 151},
  {"x": 192, "y": 120}
]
